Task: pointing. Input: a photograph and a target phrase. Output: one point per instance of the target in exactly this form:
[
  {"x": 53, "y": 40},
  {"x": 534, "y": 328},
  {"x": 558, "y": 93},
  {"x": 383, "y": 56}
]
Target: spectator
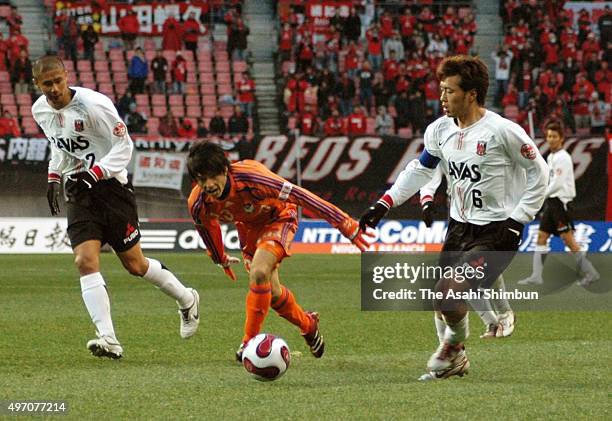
[
  {"x": 394, "y": 44},
  {"x": 217, "y": 126},
  {"x": 179, "y": 73},
  {"x": 125, "y": 103},
  {"x": 237, "y": 41},
  {"x": 357, "y": 122},
  {"x": 384, "y": 122},
  {"x": 366, "y": 76},
  {"x": 432, "y": 94},
  {"x": 345, "y": 90},
  {"x": 511, "y": 97},
  {"x": 167, "y": 125},
  {"x": 18, "y": 42},
  {"x": 90, "y": 39},
  {"x": 307, "y": 122},
  {"x": 502, "y": 59},
  {"x": 437, "y": 45},
  {"x": 4, "y": 50},
  {"x": 604, "y": 24},
  {"x": 599, "y": 113},
  {"x": 14, "y": 21},
  {"x": 70, "y": 32},
  {"x": 246, "y": 94},
  {"x": 191, "y": 34},
  {"x": 159, "y": 67},
  {"x": 186, "y": 129},
  {"x": 21, "y": 74},
  {"x": 380, "y": 91},
  {"x": 129, "y": 28},
  {"x": 352, "y": 26},
  {"x": 418, "y": 111},
  {"x": 138, "y": 71},
  {"x": 285, "y": 44},
  {"x": 238, "y": 123},
  {"x": 172, "y": 33},
  {"x": 201, "y": 130},
  {"x": 375, "y": 48},
  {"x": 334, "y": 125},
  {"x": 135, "y": 121},
  {"x": 402, "y": 108},
  {"x": 9, "y": 126}
]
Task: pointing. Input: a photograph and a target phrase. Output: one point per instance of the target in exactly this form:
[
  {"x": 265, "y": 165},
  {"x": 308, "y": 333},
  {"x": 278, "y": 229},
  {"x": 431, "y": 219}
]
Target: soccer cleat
[
  {"x": 314, "y": 339},
  {"x": 491, "y": 332},
  {"x": 459, "y": 367},
  {"x": 588, "y": 279},
  {"x": 507, "y": 321},
  {"x": 444, "y": 357},
  {"x": 239, "y": 352},
  {"x": 531, "y": 280},
  {"x": 105, "y": 346},
  {"x": 190, "y": 317}
]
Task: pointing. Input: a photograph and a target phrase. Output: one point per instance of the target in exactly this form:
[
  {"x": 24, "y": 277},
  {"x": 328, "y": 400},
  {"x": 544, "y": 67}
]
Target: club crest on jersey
[
  {"x": 249, "y": 208},
  {"x": 528, "y": 152},
  {"x": 119, "y": 130},
  {"x": 78, "y": 125},
  {"x": 481, "y": 148}
]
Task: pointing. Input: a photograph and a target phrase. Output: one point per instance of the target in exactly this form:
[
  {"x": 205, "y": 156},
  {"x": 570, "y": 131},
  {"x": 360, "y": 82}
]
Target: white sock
[
  {"x": 440, "y": 326},
  {"x": 584, "y": 265},
  {"x": 484, "y": 310},
  {"x": 168, "y": 283},
  {"x": 539, "y": 255},
  {"x": 457, "y": 333},
  {"x": 95, "y": 296},
  {"x": 500, "y": 305}
]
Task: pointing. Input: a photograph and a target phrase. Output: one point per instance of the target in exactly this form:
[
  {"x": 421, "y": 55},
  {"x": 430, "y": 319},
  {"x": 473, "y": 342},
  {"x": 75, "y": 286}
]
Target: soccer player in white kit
[
  {"x": 555, "y": 216},
  {"x": 497, "y": 183},
  {"x": 90, "y": 149},
  {"x": 495, "y": 313}
]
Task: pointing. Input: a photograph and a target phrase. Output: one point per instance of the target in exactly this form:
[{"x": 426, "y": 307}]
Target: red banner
[{"x": 151, "y": 16}]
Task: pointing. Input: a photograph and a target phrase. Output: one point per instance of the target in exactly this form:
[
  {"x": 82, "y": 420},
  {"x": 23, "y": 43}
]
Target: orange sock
[
  {"x": 257, "y": 305},
  {"x": 289, "y": 309}
]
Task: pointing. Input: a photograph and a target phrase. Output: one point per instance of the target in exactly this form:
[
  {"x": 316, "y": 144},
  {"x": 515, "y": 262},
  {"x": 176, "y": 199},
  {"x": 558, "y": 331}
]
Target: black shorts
[
  {"x": 478, "y": 245},
  {"x": 555, "y": 217},
  {"x": 107, "y": 213}
]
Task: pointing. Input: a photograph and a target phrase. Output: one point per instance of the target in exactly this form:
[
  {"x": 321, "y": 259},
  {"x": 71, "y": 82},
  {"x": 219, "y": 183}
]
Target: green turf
[{"x": 556, "y": 366}]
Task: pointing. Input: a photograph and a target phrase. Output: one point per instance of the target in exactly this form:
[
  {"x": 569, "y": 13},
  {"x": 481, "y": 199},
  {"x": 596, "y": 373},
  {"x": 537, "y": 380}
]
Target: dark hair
[
  {"x": 555, "y": 126},
  {"x": 472, "y": 71},
  {"x": 206, "y": 159}
]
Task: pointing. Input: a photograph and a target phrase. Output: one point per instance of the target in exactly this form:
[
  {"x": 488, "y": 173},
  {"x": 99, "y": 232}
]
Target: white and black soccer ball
[{"x": 266, "y": 357}]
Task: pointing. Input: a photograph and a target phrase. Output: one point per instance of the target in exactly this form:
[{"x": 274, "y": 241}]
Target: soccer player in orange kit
[{"x": 263, "y": 206}]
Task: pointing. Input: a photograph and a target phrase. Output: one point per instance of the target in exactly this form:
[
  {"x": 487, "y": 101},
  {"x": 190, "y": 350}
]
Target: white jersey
[
  {"x": 561, "y": 183},
  {"x": 86, "y": 133},
  {"x": 428, "y": 191},
  {"x": 495, "y": 170}
]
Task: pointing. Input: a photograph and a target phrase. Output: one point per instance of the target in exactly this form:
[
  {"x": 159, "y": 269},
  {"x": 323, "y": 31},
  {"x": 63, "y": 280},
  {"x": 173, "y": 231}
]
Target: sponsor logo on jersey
[
  {"x": 528, "y": 152},
  {"x": 481, "y": 148},
  {"x": 78, "y": 125},
  {"x": 464, "y": 171},
  {"x": 119, "y": 130},
  {"x": 70, "y": 145}
]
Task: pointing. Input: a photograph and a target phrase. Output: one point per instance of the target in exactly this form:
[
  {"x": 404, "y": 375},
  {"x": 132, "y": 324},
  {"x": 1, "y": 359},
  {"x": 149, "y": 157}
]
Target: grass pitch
[{"x": 556, "y": 365}]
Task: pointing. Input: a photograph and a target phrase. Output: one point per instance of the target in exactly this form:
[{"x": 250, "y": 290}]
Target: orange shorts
[{"x": 275, "y": 237}]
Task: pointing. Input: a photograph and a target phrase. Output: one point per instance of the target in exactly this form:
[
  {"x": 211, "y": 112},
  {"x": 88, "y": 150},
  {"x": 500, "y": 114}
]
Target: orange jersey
[{"x": 256, "y": 197}]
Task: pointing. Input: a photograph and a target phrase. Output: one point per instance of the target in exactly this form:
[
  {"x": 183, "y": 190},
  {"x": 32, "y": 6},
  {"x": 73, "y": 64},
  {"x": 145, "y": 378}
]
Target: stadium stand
[
  {"x": 336, "y": 59},
  {"x": 560, "y": 64},
  {"x": 210, "y": 78}
]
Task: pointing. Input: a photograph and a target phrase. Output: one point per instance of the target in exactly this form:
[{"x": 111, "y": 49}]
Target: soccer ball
[{"x": 266, "y": 357}]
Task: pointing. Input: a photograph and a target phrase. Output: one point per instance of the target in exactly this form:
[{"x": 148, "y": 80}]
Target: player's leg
[
  {"x": 539, "y": 257},
  {"x": 485, "y": 311},
  {"x": 259, "y": 296},
  {"x": 505, "y": 314},
  {"x": 589, "y": 273},
  {"x": 97, "y": 302},
  {"x": 285, "y": 304},
  {"x": 155, "y": 272}
]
